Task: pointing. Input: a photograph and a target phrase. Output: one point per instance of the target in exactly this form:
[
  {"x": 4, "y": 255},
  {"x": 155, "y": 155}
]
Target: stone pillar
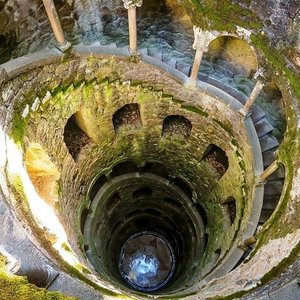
[
  {"x": 269, "y": 171},
  {"x": 41, "y": 276},
  {"x": 63, "y": 44},
  {"x": 131, "y": 6},
  {"x": 201, "y": 43},
  {"x": 245, "y": 110}
]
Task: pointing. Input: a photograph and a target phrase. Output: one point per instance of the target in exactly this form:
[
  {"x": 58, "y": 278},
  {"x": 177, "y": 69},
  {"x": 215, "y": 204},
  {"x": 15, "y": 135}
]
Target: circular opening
[
  {"x": 147, "y": 261},
  {"x": 150, "y": 238}
]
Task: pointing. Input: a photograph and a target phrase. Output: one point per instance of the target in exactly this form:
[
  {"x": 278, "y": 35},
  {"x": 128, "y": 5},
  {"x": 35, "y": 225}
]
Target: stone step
[
  {"x": 268, "y": 142},
  {"x": 279, "y": 174},
  {"x": 111, "y": 45},
  {"x": 170, "y": 61},
  {"x": 226, "y": 88},
  {"x": 156, "y": 54},
  {"x": 184, "y": 68},
  {"x": 218, "y": 76},
  {"x": 270, "y": 202},
  {"x": 263, "y": 127},
  {"x": 225, "y": 71},
  {"x": 268, "y": 157},
  {"x": 206, "y": 64},
  {"x": 143, "y": 51},
  {"x": 265, "y": 215},
  {"x": 96, "y": 43},
  {"x": 256, "y": 114},
  {"x": 273, "y": 187},
  {"x": 206, "y": 70},
  {"x": 227, "y": 66}
]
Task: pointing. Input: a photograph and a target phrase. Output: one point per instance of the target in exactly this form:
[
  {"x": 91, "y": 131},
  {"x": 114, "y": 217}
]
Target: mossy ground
[{"x": 17, "y": 288}]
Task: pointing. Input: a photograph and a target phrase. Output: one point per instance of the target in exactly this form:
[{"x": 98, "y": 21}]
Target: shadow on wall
[
  {"x": 75, "y": 137},
  {"x": 42, "y": 172}
]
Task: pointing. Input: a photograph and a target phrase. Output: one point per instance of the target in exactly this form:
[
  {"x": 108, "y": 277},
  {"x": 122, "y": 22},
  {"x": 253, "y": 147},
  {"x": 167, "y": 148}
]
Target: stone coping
[{"x": 31, "y": 61}]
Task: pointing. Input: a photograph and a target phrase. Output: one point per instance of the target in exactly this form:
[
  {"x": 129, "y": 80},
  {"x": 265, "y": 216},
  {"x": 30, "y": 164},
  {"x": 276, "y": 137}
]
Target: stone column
[
  {"x": 201, "y": 43},
  {"x": 41, "y": 276},
  {"x": 269, "y": 171},
  {"x": 131, "y": 6},
  {"x": 245, "y": 110},
  {"x": 63, "y": 44}
]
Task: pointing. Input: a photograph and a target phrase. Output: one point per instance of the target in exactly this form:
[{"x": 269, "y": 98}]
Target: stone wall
[{"x": 97, "y": 88}]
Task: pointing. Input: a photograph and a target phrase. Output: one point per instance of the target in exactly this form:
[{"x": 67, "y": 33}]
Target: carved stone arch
[
  {"x": 234, "y": 49},
  {"x": 244, "y": 35},
  {"x": 76, "y": 134}
]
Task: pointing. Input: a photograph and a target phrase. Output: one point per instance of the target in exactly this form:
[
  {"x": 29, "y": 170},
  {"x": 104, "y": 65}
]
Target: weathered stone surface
[
  {"x": 268, "y": 142},
  {"x": 97, "y": 88},
  {"x": 263, "y": 127},
  {"x": 168, "y": 39}
]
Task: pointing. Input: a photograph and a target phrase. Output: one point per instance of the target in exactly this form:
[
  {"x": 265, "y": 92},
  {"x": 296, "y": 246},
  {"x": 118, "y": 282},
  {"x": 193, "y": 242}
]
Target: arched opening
[
  {"x": 177, "y": 126},
  {"x": 142, "y": 193},
  {"x": 155, "y": 168},
  {"x": 8, "y": 43},
  {"x": 184, "y": 186},
  {"x": 74, "y": 136},
  {"x": 96, "y": 186},
  {"x": 127, "y": 117},
  {"x": 217, "y": 159},
  {"x": 272, "y": 193},
  {"x": 230, "y": 206},
  {"x": 271, "y": 102},
  {"x": 229, "y": 56},
  {"x": 123, "y": 168}
]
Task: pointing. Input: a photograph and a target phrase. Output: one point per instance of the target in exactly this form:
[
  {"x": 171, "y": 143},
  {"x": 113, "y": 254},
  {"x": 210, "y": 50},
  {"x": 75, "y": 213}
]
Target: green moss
[
  {"x": 220, "y": 15},
  {"x": 65, "y": 246},
  {"x": 226, "y": 126},
  {"x": 17, "y": 187},
  {"x": 275, "y": 58},
  {"x": 74, "y": 272},
  {"x": 274, "y": 273},
  {"x": 195, "y": 110},
  {"x": 17, "y": 128},
  {"x": 82, "y": 269},
  {"x": 283, "y": 265},
  {"x": 16, "y": 287},
  {"x": 180, "y": 296},
  {"x": 3, "y": 261},
  {"x": 144, "y": 97},
  {"x": 24, "y": 211},
  {"x": 174, "y": 100}
]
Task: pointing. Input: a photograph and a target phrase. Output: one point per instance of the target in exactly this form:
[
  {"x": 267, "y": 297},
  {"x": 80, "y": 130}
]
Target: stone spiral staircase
[{"x": 222, "y": 76}]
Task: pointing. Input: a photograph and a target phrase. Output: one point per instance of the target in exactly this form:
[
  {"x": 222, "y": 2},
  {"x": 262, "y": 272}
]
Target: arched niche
[
  {"x": 127, "y": 117},
  {"x": 177, "y": 126},
  {"x": 75, "y": 136},
  {"x": 232, "y": 54},
  {"x": 217, "y": 159},
  {"x": 271, "y": 101}
]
